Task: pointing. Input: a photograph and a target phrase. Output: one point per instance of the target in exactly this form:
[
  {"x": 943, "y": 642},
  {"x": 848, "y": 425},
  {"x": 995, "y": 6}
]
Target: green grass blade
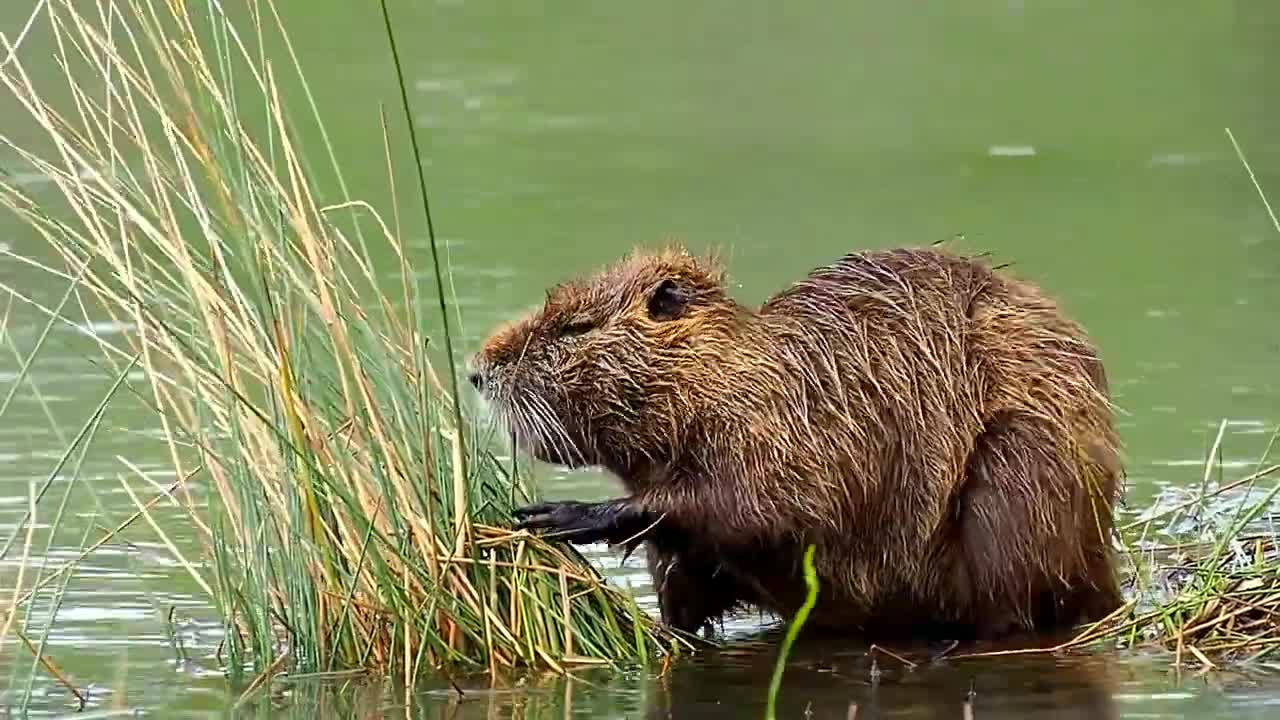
[{"x": 793, "y": 631}]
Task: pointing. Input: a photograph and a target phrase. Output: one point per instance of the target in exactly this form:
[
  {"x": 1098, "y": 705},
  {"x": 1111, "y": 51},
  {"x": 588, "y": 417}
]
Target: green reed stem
[
  {"x": 431, "y": 233},
  {"x": 44, "y": 335},
  {"x": 86, "y": 430},
  {"x": 811, "y": 599}
]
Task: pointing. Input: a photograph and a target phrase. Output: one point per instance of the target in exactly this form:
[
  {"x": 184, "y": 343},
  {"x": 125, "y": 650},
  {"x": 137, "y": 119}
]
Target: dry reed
[{"x": 353, "y": 517}]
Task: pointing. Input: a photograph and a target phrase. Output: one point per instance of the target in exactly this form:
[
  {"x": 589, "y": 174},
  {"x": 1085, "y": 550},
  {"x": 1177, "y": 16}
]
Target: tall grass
[{"x": 347, "y": 512}]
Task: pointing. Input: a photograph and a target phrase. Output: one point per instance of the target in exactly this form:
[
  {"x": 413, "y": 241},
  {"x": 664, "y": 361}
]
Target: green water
[{"x": 561, "y": 134}]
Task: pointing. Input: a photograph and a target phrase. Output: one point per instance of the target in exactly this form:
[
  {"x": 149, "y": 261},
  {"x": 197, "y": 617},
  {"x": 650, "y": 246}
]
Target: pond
[{"x": 1082, "y": 141}]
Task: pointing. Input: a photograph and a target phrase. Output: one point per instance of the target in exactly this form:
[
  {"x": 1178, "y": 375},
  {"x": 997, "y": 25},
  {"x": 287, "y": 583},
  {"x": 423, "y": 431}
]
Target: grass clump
[
  {"x": 347, "y": 513},
  {"x": 1206, "y": 572}
]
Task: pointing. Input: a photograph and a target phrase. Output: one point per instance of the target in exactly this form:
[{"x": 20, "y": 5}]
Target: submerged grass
[{"x": 347, "y": 514}]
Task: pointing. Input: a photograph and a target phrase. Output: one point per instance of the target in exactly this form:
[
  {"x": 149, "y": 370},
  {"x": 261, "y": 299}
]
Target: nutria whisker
[
  {"x": 524, "y": 430},
  {"x": 569, "y": 448},
  {"x": 940, "y": 430},
  {"x": 551, "y": 430},
  {"x": 538, "y": 436}
]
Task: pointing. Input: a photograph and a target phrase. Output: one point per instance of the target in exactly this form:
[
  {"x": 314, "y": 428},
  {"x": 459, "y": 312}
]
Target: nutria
[{"x": 937, "y": 428}]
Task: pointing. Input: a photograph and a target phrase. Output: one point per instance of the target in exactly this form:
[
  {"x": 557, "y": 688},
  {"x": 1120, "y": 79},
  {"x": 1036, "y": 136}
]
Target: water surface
[{"x": 1080, "y": 140}]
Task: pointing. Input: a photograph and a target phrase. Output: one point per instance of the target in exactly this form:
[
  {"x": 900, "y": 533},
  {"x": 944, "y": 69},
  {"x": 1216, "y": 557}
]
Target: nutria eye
[
  {"x": 668, "y": 301},
  {"x": 577, "y": 327}
]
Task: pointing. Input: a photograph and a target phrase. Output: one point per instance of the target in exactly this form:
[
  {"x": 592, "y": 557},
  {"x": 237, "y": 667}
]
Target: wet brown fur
[{"x": 939, "y": 429}]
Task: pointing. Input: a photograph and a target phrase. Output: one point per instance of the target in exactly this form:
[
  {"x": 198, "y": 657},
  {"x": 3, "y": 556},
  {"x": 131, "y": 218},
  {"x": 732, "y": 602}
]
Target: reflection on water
[
  {"x": 820, "y": 682},
  {"x": 850, "y": 684}
]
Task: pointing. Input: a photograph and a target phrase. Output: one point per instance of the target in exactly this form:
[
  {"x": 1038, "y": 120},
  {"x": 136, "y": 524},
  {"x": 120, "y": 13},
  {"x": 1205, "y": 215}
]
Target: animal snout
[{"x": 476, "y": 378}]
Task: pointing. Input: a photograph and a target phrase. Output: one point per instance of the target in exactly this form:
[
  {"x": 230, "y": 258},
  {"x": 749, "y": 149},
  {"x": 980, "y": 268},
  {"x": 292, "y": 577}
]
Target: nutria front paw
[{"x": 613, "y": 522}]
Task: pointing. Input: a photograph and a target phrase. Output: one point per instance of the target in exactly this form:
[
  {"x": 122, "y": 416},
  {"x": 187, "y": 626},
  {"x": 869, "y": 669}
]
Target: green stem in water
[
  {"x": 811, "y": 582},
  {"x": 431, "y": 232}
]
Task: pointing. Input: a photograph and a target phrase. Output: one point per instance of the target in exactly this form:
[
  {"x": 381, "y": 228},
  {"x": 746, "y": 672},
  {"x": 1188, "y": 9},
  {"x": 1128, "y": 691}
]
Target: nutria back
[{"x": 939, "y": 430}]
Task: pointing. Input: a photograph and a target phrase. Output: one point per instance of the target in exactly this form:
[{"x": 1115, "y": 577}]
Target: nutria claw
[{"x": 613, "y": 522}]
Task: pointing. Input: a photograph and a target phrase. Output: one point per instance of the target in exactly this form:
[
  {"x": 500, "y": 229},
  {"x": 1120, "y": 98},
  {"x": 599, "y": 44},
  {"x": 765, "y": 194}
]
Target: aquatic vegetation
[
  {"x": 793, "y": 631},
  {"x": 1205, "y": 572},
  {"x": 349, "y": 514}
]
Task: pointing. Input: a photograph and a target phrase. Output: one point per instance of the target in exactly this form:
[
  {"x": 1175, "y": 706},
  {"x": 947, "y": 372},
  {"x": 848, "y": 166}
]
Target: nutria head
[{"x": 610, "y": 370}]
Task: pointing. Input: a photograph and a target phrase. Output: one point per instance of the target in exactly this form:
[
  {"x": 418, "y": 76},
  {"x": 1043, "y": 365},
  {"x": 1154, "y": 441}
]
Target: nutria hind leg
[
  {"x": 1023, "y": 543},
  {"x": 692, "y": 594},
  {"x": 1088, "y": 601}
]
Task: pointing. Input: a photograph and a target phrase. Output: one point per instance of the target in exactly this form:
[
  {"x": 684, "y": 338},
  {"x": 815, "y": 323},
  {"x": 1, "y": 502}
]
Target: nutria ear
[{"x": 668, "y": 300}]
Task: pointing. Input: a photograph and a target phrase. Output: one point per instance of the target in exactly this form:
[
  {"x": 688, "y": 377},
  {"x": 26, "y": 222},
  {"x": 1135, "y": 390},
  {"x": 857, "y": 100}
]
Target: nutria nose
[{"x": 476, "y": 380}]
